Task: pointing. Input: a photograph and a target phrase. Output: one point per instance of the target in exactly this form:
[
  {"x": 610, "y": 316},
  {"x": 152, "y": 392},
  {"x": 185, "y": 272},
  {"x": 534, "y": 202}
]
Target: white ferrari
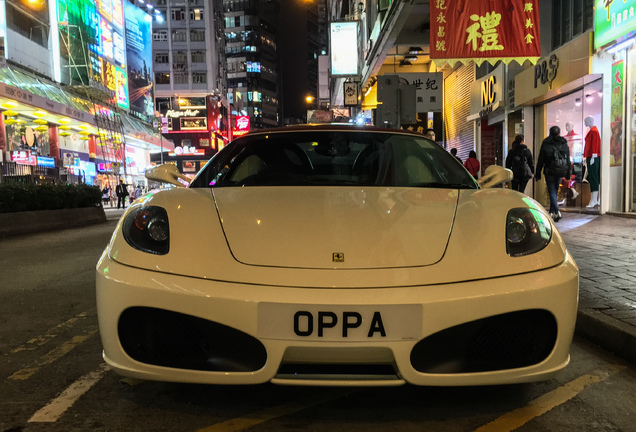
[{"x": 335, "y": 255}]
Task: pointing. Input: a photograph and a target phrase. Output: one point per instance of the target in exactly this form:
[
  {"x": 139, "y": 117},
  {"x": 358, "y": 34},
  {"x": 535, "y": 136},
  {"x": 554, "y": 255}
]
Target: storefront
[
  {"x": 615, "y": 58},
  {"x": 563, "y": 90},
  {"x": 487, "y": 111}
]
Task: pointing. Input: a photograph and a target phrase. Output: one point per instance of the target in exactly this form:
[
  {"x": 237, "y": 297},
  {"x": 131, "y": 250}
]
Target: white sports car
[{"x": 334, "y": 255}]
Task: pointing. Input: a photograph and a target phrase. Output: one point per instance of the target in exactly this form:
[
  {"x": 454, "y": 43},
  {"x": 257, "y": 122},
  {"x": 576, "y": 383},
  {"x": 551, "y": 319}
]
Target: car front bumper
[{"x": 155, "y": 325}]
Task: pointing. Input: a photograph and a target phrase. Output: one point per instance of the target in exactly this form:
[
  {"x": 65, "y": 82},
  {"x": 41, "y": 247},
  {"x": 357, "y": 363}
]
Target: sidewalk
[{"x": 604, "y": 247}]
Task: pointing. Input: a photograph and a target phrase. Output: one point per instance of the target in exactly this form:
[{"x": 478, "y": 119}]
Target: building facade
[
  {"x": 252, "y": 60},
  {"x": 190, "y": 81}
]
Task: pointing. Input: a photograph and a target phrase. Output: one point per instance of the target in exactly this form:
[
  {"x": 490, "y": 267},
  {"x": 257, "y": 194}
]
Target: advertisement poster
[
  {"x": 616, "y": 115},
  {"x": 99, "y": 26},
  {"x": 139, "y": 55},
  {"x": 25, "y": 137}
]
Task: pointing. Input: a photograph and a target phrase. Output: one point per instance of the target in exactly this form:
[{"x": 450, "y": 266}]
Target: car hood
[{"x": 326, "y": 227}]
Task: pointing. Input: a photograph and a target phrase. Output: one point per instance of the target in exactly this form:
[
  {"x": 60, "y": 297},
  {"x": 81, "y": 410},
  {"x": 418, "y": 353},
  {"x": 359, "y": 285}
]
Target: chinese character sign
[
  {"x": 463, "y": 30},
  {"x": 613, "y": 20}
]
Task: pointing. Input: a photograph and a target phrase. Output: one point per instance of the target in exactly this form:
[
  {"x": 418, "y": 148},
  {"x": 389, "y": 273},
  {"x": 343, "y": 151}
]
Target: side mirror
[
  {"x": 167, "y": 173},
  {"x": 495, "y": 175}
]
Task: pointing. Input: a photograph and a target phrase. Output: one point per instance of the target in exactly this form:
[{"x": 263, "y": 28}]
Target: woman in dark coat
[{"x": 521, "y": 162}]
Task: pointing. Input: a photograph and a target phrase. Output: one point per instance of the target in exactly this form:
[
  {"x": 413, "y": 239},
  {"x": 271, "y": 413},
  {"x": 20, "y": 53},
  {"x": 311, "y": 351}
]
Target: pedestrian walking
[
  {"x": 554, "y": 160},
  {"x": 472, "y": 164},
  {"x": 521, "y": 163}
]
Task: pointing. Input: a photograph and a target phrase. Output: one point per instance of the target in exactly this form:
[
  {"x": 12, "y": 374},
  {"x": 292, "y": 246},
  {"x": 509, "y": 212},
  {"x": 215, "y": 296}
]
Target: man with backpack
[{"x": 554, "y": 161}]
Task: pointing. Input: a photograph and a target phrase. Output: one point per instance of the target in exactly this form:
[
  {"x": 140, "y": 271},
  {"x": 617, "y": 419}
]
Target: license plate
[{"x": 339, "y": 323}]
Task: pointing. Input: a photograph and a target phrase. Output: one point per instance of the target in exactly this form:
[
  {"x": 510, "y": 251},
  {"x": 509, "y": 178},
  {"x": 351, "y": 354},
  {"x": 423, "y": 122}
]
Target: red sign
[
  {"x": 23, "y": 157},
  {"x": 485, "y": 30},
  {"x": 243, "y": 123},
  {"x": 242, "y": 126}
]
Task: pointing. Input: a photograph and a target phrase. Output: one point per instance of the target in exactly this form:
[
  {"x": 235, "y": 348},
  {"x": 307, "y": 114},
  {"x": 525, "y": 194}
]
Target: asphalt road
[{"x": 52, "y": 376}]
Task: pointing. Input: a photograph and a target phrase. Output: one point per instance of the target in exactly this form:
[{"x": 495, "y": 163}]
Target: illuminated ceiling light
[
  {"x": 577, "y": 102},
  {"x": 9, "y": 104},
  {"x": 84, "y": 126},
  {"x": 415, "y": 50},
  {"x": 65, "y": 120},
  {"x": 40, "y": 113},
  {"x": 410, "y": 58},
  {"x": 40, "y": 121},
  {"x": 10, "y": 121},
  {"x": 10, "y": 113},
  {"x": 41, "y": 128}
]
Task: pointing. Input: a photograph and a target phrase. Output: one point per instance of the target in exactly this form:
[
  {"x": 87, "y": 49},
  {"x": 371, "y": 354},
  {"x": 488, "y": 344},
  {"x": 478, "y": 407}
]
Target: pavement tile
[{"x": 604, "y": 247}]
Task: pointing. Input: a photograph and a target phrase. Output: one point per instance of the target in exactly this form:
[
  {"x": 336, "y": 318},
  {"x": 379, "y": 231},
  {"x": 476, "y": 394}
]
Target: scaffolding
[{"x": 77, "y": 37}]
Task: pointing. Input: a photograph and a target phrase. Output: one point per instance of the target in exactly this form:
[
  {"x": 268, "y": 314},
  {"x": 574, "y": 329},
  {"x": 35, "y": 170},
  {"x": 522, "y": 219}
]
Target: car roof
[{"x": 332, "y": 127}]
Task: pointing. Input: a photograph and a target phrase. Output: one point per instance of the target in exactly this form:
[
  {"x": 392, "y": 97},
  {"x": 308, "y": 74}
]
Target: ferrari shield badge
[{"x": 338, "y": 257}]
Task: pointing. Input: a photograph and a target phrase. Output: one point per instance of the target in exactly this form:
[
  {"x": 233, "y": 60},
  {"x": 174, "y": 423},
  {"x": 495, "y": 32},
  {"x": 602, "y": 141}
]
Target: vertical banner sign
[
  {"x": 139, "y": 56},
  {"x": 344, "y": 48},
  {"x": 616, "y": 115},
  {"x": 465, "y": 30},
  {"x": 351, "y": 94},
  {"x": 612, "y": 19}
]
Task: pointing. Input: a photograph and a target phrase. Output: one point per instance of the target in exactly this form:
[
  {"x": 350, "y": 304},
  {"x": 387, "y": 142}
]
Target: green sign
[{"x": 613, "y": 19}]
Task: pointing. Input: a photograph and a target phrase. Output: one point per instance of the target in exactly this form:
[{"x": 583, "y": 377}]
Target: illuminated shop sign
[
  {"x": 254, "y": 67},
  {"x": 23, "y": 157},
  {"x": 612, "y": 20},
  {"x": 46, "y": 162},
  {"x": 344, "y": 48},
  {"x": 182, "y": 113},
  {"x": 187, "y": 151},
  {"x": 242, "y": 125}
]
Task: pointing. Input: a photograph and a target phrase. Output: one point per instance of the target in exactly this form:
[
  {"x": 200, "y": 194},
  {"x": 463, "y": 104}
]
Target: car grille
[
  {"x": 507, "y": 341},
  {"x": 165, "y": 338}
]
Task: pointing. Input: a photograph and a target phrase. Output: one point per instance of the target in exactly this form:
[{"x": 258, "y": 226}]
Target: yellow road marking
[
  {"x": 258, "y": 417},
  {"x": 52, "y": 333},
  {"x": 53, "y": 355},
  {"x": 517, "y": 418}
]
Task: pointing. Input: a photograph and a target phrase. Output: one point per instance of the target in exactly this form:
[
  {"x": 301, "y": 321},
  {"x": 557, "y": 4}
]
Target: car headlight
[
  {"x": 527, "y": 231},
  {"x": 147, "y": 230}
]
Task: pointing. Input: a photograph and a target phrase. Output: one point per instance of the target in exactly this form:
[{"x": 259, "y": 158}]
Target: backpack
[
  {"x": 518, "y": 165},
  {"x": 559, "y": 162}
]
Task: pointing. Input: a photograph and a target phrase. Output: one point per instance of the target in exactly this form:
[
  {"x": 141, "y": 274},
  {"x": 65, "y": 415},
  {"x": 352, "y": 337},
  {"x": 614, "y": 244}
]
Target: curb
[{"x": 611, "y": 334}]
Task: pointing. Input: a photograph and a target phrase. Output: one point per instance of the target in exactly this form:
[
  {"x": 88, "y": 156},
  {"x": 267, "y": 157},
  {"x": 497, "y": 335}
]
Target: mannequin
[
  {"x": 574, "y": 142},
  {"x": 576, "y": 154},
  {"x": 592, "y": 160}
]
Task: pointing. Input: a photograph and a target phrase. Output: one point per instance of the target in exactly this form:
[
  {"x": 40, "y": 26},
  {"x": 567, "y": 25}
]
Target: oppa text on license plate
[{"x": 339, "y": 322}]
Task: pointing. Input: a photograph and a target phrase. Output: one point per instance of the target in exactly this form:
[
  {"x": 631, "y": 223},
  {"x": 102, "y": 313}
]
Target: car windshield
[{"x": 334, "y": 158}]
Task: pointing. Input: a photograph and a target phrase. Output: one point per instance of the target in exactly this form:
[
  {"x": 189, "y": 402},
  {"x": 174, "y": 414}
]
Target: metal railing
[{"x": 11, "y": 172}]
